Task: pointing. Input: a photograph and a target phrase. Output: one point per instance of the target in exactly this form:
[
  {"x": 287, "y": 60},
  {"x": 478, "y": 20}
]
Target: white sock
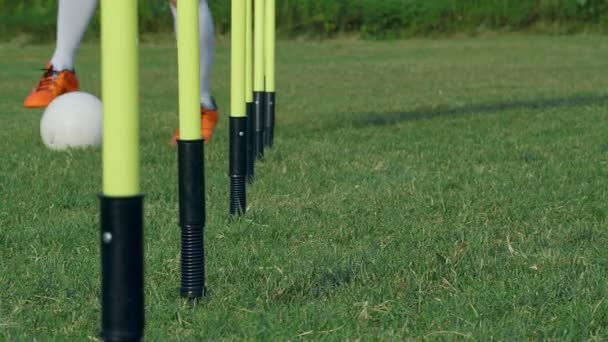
[
  {"x": 206, "y": 39},
  {"x": 73, "y": 17}
]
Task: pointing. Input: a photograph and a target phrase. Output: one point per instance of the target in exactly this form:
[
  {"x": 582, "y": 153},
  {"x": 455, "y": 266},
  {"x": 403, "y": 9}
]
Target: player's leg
[
  {"x": 72, "y": 22},
  {"x": 206, "y": 52},
  {"x": 209, "y": 113},
  {"x": 73, "y": 17}
]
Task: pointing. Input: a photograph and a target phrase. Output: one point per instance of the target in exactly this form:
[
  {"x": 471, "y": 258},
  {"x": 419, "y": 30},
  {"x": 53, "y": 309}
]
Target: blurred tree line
[{"x": 368, "y": 18}]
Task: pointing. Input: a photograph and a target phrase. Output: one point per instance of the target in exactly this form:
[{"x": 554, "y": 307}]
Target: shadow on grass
[
  {"x": 325, "y": 278},
  {"x": 393, "y": 118}
]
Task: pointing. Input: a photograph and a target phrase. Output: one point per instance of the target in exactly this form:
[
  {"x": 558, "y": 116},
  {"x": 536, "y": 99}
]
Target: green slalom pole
[
  {"x": 258, "y": 75},
  {"x": 122, "y": 278},
  {"x": 190, "y": 154},
  {"x": 269, "y": 71},
  {"x": 238, "y": 118},
  {"x": 249, "y": 90}
]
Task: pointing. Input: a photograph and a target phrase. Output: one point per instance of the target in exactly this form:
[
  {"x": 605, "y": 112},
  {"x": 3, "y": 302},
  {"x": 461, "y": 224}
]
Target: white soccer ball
[{"x": 72, "y": 120}]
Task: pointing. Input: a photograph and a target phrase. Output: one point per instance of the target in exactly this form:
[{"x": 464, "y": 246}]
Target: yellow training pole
[
  {"x": 190, "y": 151},
  {"x": 238, "y": 118},
  {"x": 120, "y": 98},
  {"x": 269, "y": 71},
  {"x": 238, "y": 60},
  {"x": 258, "y": 45},
  {"x": 188, "y": 70},
  {"x": 269, "y": 45},
  {"x": 249, "y": 89},
  {"x": 122, "y": 280},
  {"x": 249, "y": 51},
  {"x": 258, "y": 74}
]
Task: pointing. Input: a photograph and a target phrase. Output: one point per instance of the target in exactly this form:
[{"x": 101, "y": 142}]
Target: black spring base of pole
[
  {"x": 238, "y": 165},
  {"x": 250, "y": 143},
  {"x": 238, "y": 196},
  {"x": 122, "y": 268},
  {"x": 269, "y": 109},
  {"x": 192, "y": 217},
  {"x": 258, "y": 113},
  {"x": 192, "y": 263}
]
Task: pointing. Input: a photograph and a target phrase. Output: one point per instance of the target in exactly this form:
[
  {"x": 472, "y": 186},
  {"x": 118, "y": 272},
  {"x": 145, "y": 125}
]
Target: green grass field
[{"x": 428, "y": 189}]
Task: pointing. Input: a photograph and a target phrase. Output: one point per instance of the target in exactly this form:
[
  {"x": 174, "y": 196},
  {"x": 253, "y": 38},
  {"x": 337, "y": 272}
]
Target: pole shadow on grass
[{"x": 393, "y": 118}]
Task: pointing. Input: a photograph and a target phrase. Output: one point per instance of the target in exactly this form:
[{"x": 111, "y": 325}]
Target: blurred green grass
[{"x": 429, "y": 189}]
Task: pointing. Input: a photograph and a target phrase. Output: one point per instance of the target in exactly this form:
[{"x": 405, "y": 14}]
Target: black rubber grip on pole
[
  {"x": 258, "y": 113},
  {"x": 122, "y": 268},
  {"x": 191, "y": 174},
  {"x": 250, "y": 143},
  {"x": 269, "y": 105},
  {"x": 238, "y": 165}
]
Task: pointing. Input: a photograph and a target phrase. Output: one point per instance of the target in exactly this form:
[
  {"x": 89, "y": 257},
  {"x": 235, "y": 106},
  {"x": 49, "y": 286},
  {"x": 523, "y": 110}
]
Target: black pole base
[
  {"x": 258, "y": 113},
  {"x": 238, "y": 165},
  {"x": 250, "y": 143},
  {"x": 269, "y": 109},
  {"x": 190, "y": 158},
  {"x": 122, "y": 268}
]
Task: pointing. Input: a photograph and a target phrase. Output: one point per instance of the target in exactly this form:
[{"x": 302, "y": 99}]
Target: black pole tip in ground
[
  {"x": 250, "y": 143},
  {"x": 258, "y": 113},
  {"x": 191, "y": 185},
  {"x": 269, "y": 115},
  {"x": 122, "y": 268},
  {"x": 238, "y": 165}
]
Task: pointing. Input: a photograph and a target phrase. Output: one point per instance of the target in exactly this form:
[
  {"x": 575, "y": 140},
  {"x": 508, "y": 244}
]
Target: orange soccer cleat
[
  {"x": 52, "y": 84},
  {"x": 209, "y": 118}
]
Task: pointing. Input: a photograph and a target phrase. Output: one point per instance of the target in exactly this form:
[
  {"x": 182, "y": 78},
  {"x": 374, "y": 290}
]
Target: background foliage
[{"x": 369, "y": 18}]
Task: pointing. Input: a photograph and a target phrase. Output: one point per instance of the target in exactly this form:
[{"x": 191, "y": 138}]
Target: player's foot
[
  {"x": 52, "y": 84},
  {"x": 208, "y": 120}
]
